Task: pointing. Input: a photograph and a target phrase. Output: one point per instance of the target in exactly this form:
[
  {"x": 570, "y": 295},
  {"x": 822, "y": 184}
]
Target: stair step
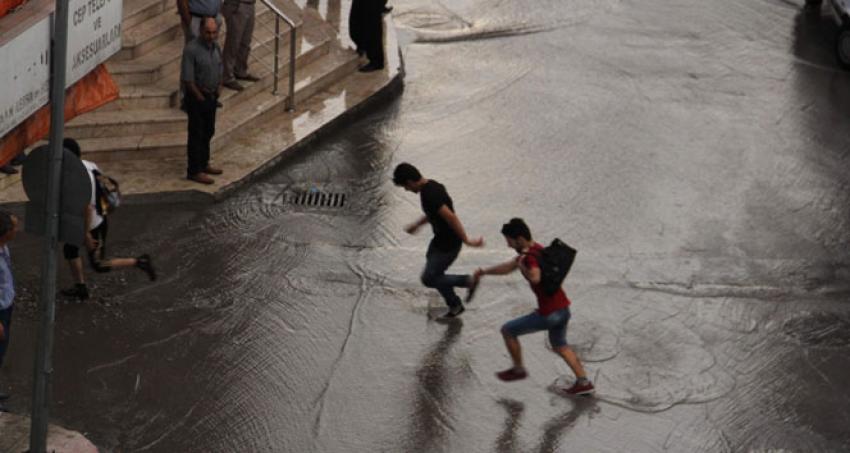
[
  {"x": 314, "y": 77},
  {"x": 313, "y": 46},
  {"x": 138, "y": 11},
  {"x": 106, "y": 149},
  {"x": 290, "y": 9},
  {"x": 161, "y": 60},
  {"x": 327, "y": 71},
  {"x": 157, "y": 29},
  {"x": 150, "y": 34},
  {"x": 118, "y": 123},
  {"x": 163, "y": 94},
  {"x": 140, "y": 97}
]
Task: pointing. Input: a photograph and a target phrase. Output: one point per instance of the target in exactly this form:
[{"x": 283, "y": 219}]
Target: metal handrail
[{"x": 290, "y": 102}]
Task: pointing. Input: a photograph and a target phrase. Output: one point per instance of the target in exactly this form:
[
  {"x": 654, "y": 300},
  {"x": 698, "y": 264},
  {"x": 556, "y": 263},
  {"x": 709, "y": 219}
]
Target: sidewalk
[
  {"x": 254, "y": 150},
  {"x": 15, "y": 437}
]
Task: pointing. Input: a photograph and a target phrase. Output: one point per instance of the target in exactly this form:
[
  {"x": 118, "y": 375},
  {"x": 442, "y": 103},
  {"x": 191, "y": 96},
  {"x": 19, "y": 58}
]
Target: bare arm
[
  {"x": 413, "y": 227},
  {"x": 532, "y": 274},
  {"x": 500, "y": 269},
  {"x": 457, "y": 227},
  {"x": 193, "y": 88},
  {"x": 88, "y": 215}
]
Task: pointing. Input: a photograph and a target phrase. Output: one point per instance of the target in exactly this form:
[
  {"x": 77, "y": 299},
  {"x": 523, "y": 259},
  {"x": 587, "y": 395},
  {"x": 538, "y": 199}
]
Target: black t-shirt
[{"x": 434, "y": 196}]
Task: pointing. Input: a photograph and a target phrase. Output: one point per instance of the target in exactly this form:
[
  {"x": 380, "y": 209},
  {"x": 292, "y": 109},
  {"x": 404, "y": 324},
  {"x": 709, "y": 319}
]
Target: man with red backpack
[{"x": 552, "y": 314}]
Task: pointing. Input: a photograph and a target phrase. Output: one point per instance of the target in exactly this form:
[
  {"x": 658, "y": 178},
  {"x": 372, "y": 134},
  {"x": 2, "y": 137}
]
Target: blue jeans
[
  {"x": 555, "y": 323},
  {"x": 434, "y": 275},
  {"x": 6, "y": 320}
]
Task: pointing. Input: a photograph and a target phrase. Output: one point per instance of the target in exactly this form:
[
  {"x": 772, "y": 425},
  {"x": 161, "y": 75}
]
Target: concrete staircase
[{"x": 145, "y": 123}]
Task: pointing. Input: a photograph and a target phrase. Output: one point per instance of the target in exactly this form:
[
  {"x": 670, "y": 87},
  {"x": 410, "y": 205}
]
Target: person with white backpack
[{"x": 104, "y": 198}]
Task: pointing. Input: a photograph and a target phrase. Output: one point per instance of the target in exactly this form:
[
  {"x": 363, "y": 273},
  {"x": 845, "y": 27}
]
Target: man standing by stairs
[
  {"x": 201, "y": 74},
  {"x": 239, "y": 16},
  {"x": 366, "y": 28}
]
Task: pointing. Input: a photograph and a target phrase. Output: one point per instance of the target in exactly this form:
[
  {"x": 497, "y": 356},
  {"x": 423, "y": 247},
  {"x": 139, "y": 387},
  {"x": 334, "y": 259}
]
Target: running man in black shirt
[{"x": 449, "y": 237}]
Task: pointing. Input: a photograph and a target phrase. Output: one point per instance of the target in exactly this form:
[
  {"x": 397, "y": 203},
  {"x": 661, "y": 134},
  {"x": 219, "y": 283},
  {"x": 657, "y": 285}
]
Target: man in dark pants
[
  {"x": 201, "y": 73},
  {"x": 8, "y": 227},
  {"x": 449, "y": 236},
  {"x": 366, "y": 28},
  {"x": 239, "y": 15}
]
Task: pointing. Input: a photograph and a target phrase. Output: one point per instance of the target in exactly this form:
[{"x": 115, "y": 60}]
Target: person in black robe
[{"x": 366, "y": 28}]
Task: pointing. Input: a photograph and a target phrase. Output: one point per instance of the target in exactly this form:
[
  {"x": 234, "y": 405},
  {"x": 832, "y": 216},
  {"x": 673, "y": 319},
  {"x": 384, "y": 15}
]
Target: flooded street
[{"x": 694, "y": 152}]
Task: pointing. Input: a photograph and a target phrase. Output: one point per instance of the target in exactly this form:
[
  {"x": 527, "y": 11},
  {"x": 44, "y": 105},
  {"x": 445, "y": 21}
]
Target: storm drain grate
[{"x": 317, "y": 199}]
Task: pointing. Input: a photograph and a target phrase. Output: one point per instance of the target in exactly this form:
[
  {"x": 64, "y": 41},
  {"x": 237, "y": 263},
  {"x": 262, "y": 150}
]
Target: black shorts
[{"x": 97, "y": 255}]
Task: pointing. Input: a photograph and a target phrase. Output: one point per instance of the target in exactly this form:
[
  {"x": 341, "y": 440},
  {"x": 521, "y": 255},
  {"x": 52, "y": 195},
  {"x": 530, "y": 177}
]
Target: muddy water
[{"x": 692, "y": 151}]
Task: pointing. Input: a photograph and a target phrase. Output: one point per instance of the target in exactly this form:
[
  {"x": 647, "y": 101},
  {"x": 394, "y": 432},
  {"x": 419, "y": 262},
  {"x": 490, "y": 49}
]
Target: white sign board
[
  {"x": 24, "y": 75},
  {"x": 94, "y": 34}
]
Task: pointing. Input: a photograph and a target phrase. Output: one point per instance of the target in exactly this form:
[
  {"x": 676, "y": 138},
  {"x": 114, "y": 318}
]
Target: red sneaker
[
  {"x": 584, "y": 388},
  {"x": 512, "y": 374}
]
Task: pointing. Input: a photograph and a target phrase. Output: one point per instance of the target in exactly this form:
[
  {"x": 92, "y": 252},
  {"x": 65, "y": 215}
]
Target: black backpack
[{"x": 555, "y": 262}]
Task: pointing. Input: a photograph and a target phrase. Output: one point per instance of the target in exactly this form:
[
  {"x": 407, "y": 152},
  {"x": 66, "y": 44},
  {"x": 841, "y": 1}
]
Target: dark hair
[
  {"x": 515, "y": 228},
  {"x": 71, "y": 145},
  {"x": 6, "y": 224},
  {"x": 405, "y": 173}
]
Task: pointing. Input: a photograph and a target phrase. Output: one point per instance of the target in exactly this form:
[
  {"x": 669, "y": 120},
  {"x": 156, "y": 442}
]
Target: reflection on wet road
[{"x": 693, "y": 152}]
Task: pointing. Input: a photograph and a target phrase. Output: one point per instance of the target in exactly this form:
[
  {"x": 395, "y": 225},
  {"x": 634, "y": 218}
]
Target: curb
[{"x": 386, "y": 94}]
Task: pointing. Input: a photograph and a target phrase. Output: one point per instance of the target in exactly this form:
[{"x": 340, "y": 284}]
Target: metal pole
[
  {"x": 276, "y": 50},
  {"x": 44, "y": 356},
  {"x": 291, "y": 102}
]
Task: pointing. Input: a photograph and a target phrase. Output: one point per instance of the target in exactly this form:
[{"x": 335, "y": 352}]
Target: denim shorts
[{"x": 555, "y": 323}]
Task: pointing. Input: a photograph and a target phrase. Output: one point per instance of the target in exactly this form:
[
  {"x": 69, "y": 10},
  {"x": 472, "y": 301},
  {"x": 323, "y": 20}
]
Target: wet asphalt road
[{"x": 694, "y": 153}]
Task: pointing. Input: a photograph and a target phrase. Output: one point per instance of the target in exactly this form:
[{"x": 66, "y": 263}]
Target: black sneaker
[
  {"x": 370, "y": 67},
  {"x": 453, "y": 312},
  {"x": 512, "y": 374},
  {"x": 79, "y": 291},
  {"x": 144, "y": 263},
  {"x": 473, "y": 285}
]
